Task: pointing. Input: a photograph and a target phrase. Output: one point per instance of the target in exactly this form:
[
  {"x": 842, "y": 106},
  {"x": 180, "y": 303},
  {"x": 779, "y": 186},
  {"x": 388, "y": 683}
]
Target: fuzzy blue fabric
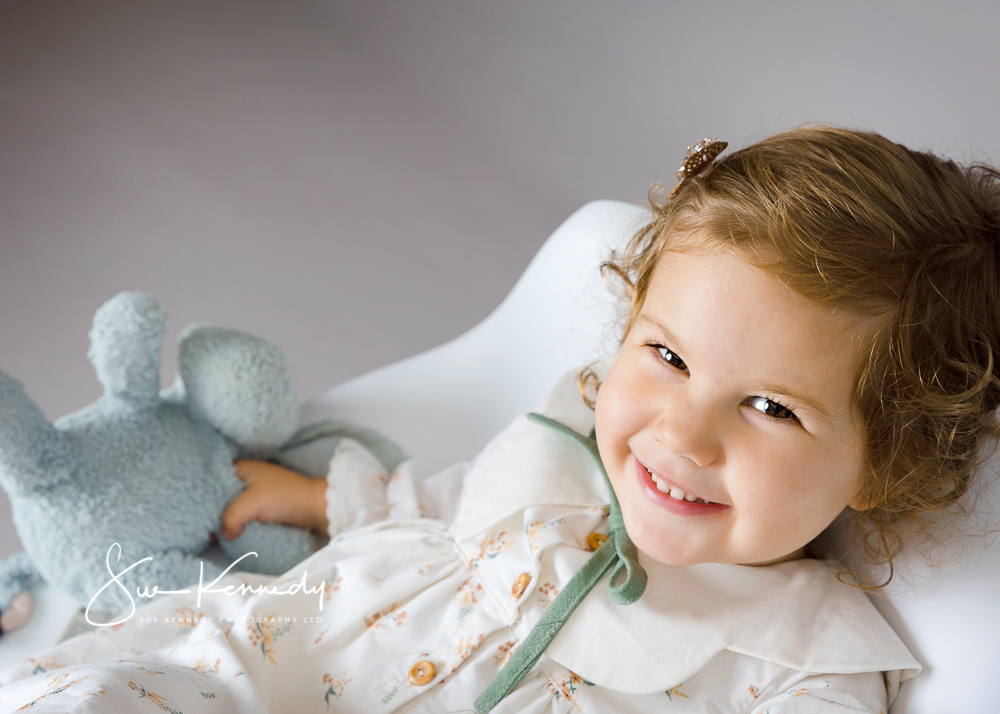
[{"x": 147, "y": 470}]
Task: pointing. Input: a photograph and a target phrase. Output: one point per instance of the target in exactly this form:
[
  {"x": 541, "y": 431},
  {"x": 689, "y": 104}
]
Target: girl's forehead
[
  {"x": 695, "y": 252},
  {"x": 765, "y": 264},
  {"x": 758, "y": 254},
  {"x": 717, "y": 293}
]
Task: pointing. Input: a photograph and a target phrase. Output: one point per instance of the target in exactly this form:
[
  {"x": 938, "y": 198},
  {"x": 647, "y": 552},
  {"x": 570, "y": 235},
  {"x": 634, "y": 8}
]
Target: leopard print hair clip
[{"x": 698, "y": 157}]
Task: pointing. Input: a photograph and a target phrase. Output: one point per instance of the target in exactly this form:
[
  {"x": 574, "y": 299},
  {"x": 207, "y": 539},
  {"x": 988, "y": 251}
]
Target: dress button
[
  {"x": 520, "y": 585},
  {"x": 422, "y": 673},
  {"x": 595, "y": 540}
]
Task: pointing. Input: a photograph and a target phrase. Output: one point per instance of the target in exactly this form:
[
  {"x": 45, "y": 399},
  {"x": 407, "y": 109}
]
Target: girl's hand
[{"x": 275, "y": 494}]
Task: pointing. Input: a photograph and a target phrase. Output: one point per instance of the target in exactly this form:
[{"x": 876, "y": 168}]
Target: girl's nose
[{"x": 689, "y": 431}]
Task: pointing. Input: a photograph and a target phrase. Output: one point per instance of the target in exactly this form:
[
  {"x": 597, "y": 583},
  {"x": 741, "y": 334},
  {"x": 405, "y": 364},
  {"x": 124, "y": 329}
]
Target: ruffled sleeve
[{"x": 360, "y": 490}]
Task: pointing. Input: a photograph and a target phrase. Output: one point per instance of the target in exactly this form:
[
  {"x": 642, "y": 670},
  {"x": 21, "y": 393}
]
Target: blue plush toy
[{"x": 151, "y": 471}]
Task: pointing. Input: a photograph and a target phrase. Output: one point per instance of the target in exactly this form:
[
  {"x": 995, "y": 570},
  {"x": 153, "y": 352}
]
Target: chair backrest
[{"x": 446, "y": 404}]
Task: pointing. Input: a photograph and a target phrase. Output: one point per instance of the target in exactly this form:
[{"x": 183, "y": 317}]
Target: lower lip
[{"x": 663, "y": 500}]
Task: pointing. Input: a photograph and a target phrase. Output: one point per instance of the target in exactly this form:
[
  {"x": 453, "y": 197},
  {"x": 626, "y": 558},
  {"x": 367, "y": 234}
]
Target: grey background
[{"x": 360, "y": 181}]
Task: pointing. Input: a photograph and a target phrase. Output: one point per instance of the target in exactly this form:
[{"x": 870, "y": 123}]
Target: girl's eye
[
  {"x": 771, "y": 408},
  {"x": 671, "y": 358}
]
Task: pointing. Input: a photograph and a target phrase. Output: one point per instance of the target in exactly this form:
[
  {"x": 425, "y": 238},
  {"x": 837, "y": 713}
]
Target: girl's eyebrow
[
  {"x": 675, "y": 343},
  {"x": 797, "y": 397}
]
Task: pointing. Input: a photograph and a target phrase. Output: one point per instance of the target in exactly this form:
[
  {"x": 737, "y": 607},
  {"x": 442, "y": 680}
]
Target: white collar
[{"x": 794, "y": 614}]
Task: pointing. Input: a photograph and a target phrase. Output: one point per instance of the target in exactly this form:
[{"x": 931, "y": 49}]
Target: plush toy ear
[
  {"x": 126, "y": 343},
  {"x": 239, "y": 384}
]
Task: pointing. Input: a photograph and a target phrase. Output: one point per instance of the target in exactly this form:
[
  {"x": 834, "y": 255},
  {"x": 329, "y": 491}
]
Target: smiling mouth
[
  {"x": 672, "y": 491},
  {"x": 673, "y": 497}
]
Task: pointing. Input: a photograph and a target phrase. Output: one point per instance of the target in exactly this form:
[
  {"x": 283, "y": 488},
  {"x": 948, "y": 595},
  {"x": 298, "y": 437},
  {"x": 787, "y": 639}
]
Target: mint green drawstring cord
[{"x": 618, "y": 551}]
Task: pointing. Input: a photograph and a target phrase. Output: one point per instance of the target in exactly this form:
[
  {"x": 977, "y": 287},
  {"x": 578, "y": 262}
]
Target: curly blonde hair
[{"x": 852, "y": 220}]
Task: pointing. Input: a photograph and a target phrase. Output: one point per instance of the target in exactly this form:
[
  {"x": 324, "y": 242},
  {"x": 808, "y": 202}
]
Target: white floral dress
[{"x": 418, "y": 614}]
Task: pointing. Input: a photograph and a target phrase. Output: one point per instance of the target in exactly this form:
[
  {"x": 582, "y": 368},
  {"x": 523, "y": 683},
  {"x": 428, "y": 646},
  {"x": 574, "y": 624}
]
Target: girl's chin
[
  {"x": 657, "y": 543},
  {"x": 665, "y": 556}
]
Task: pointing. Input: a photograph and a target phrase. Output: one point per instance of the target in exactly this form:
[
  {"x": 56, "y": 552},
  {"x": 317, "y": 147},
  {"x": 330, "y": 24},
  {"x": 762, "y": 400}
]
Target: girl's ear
[{"x": 860, "y": 502}]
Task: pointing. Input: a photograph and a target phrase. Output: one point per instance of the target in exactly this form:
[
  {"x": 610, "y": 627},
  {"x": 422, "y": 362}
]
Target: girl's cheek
[
  {"x": 615, "y": 412},
  {"x": 606, "y": 401},
  {"x": 603, "y": 420}
]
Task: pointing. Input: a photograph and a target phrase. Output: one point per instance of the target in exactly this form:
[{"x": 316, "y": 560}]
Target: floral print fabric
[{"x": 347, "y": 629}]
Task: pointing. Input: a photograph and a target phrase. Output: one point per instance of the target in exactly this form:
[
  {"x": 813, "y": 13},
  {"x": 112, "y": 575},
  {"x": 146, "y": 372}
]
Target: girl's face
[{"x": 725, "y": 424}]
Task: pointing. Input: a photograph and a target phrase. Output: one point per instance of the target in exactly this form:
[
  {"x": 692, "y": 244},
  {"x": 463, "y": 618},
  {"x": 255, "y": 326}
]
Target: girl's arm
[{"x": 275, "y": 494}]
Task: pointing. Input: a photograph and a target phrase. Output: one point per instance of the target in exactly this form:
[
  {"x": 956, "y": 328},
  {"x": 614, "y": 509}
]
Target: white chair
[{"x": 445, "y": 404}]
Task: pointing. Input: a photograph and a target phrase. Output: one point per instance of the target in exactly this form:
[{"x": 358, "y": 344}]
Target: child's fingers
[
  {"x": 242, "y": 510},
  {"x": 246, "y": 470}
]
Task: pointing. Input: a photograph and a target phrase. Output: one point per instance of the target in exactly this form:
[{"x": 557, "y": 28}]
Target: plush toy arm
[
  {"x": 33, "y": 453},
  {"x": 17, "y": 575},
  {"x": 17, "y": 578},
  {"x": 279, "y": 547}
]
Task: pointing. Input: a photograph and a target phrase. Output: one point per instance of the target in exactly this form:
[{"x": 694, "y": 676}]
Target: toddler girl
[{"x": 812, "y": 329}]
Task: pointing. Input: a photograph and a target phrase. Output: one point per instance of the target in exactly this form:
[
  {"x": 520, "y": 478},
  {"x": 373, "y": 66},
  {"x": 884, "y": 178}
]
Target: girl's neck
[{"x": 794, "y": 555}]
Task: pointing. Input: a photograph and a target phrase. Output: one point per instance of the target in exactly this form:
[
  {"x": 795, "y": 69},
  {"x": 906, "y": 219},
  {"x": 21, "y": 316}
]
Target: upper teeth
[{"x": 673, "y": 491}]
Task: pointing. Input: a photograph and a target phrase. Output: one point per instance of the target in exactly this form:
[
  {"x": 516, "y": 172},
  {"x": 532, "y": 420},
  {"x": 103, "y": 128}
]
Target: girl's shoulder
[{"x": 529, "y": 464}]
